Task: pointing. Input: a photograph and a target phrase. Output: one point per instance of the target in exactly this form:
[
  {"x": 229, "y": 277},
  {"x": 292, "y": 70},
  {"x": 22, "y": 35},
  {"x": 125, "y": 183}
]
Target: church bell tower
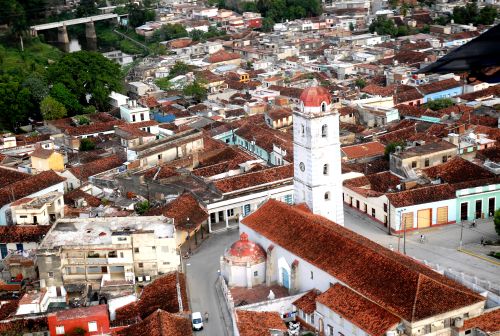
[{"x": 316, "y": 150}]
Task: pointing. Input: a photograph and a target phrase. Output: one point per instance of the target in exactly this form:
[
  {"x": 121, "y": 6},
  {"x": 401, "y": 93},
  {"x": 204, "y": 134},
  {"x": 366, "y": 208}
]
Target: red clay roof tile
[{"x": 411, "y": 290}]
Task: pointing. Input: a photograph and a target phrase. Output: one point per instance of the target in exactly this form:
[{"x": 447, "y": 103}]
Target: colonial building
[
  {"x": 366, "y": 288},
  {"x": 317, "y": 155},
  {"x": 99, "y": 250}
]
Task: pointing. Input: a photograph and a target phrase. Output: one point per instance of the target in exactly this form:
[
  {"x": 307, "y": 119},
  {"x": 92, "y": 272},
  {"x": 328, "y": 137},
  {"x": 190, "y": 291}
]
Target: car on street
[{"x": 197, "y": 321}]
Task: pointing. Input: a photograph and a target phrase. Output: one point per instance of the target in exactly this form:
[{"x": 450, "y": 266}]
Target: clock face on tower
[{"x": 302, "y": 166}]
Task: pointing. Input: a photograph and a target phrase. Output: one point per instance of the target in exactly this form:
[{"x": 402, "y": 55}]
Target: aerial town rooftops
[
  {"x": 458, "y": 170},
  {"x": 255, "y": 179},
  {"x": 410, "y": 288},
  {"x": 487, "y": 323},
  {"x": 84, "y": 171},
  {"x": 438, "y": 86},
  {"x": 22, "y": 233},
  {"x": 429, "y": 194},
  {"x": 42, "y": 153},
  {"x": 159, "y": 323},
  {"x": 307, "y": 302}
]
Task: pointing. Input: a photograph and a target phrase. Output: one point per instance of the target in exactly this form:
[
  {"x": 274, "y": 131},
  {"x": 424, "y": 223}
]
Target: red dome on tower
[
  {"x": 244, "y": 251},
  {"x": 314, "y": 96}
]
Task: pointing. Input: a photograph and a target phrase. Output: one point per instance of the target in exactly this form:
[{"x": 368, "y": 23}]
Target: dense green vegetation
[
  {"x": 438, "y": 104},
  {"x": 273, "y": 10},
  {"x": 470, "y": 13},
  {"x": 42, "y": 82},
  {"x": 391, "y": 148},
  {"x": 497, "y": 221}
]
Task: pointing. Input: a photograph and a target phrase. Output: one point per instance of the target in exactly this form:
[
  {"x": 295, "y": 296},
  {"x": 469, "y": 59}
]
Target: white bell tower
[{"x": 316, "y": 150}]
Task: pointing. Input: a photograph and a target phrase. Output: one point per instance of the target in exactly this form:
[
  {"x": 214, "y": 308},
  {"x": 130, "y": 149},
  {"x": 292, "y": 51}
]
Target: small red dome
[
  {"x": 244, "y": 251},
  {"x": 314, "y": 96}
]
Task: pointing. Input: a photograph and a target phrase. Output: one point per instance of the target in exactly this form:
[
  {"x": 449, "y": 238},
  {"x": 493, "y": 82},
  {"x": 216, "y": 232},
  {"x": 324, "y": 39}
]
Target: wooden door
[
  {"x": 424, "y": 218},
  {"x": 442, "y": 215}
]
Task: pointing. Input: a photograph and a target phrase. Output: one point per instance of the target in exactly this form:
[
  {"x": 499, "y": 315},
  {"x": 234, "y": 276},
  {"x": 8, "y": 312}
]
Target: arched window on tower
[
  {"x": 302, "y": 130},
  {"x": 325, "y": 169},
  {"x": 323, "y": 107},
  {"x": 324, "y": 131},
  {"x": 327, "y": 196}
]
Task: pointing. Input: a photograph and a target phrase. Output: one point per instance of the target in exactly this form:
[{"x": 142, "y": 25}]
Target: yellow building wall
[{"x": 54, "y": 162}]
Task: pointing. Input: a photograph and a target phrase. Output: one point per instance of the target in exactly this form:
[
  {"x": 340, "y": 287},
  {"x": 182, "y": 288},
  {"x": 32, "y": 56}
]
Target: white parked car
[{"x": 197, "y": 321}]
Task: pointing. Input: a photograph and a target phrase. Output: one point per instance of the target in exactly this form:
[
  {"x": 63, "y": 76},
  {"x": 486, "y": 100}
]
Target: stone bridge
[{"x": 62, "y": 33}]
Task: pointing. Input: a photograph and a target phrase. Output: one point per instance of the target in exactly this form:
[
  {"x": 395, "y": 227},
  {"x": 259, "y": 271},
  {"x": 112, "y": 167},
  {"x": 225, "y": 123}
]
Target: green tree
[
  {"x": 497, "y": 221},
  {"x": 391, "y": 148},
  {"x": 267, "y": 24},
  {"x": 249, "y": 6},
  {"x": 142, "y": 207},
  {"x": 466, "y": 14},
  {"x": 37, "y": 85},
  {"x": 51, "y": 109},
  {"x": 86, "y": 8},
  {"x": 197, "y": 35},
  {"x": 138, "y": 15},
  {"x": 164, "y": 84},
  {"x": 15, "y": 102},
  {"x": 87, "y": 74},
  {"x": 86, "y": 145},
  {"x": 61, "y": 93},
  {"x": 383, "y": 26},
  {"x": 442, "y": 20},
  {"x": 403, "y": 30},
  {"x": 351, "y": 26},
  {"x": 197, "y": 90},
  {"x": 438, "y": 104},
  {"x": 360, "y": 82},
  {"x": 170, "y": 31},
  {"x": 179, "y": 68},
  {"x": 487, "y": 15}
]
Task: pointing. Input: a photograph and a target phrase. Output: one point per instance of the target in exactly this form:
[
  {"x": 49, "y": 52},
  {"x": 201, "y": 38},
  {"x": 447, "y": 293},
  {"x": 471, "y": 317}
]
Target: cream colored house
[
  {"x": 39, "y": 210},
  {"x": 100, "y": 250},
  {"x": 419, "y": 157},
  {"x": 46, "y": 159}
]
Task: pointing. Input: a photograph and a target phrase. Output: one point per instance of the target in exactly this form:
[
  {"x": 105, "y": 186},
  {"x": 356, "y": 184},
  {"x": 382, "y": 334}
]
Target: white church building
[{"x": 305, "y": 247}]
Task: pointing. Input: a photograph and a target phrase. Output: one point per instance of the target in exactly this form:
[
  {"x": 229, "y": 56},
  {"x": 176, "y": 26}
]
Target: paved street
[
  {"x": 440, "y": 246},
  {"x": 201, "y": 270}
]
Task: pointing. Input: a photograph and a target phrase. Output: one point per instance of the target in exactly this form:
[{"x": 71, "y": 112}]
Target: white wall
[{"x": 396, "y": 217}]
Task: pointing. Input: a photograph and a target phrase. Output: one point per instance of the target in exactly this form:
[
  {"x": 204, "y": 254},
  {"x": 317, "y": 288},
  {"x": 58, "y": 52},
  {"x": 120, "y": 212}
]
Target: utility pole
[{"x": 461, "y": 233}]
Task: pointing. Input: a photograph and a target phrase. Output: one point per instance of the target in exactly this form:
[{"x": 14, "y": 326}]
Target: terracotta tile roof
[
  {"x": 363, "y": 313},
  {"x": 72, "y": 196},
  {"x": 93, "y": 128},
  {"x": 254, "y": 179},
  {"x": 159, "y": 323},
  {"x": 488, "y": 322},
  {"x": 42, "y": 153},
  {"x": 9, "y": 176},
  {"x": 23, "y": 140},
  {"x": 253, "y": 323},
  {"x": 368, "y": 149},
  {"x": 287, "y": 91},
  {"x": 433, "y": 193},
  {"x": 22, "y": 233},
  {"x": 346, "y": 110},
  {"x": 396, "y": 136},
  {"x": 492, "y": 154},
  {"x": 8, "y": 308},
  {"x": 160, "y": 172},
  {"x": 413, "y": 111},
  {"x": 162, "y": 294},
  {"x": 458, "y": 170},
  {"x": 224, "y": 160},
  {"x": 222, "y": 56},
  {"x": 412, "y": 57},
  {"x": 465, "y": 35},
  {"x": 492, "y": 91},
  {"x": 407, "y": 95},
  {"x": 28, "y": 186},
  {"x": 183, "y": 207},
  {"x": 438, "y": 86},
  {"x": 373, "y": 185},
  {"x": 9, "y": 287},
  {"x": 279, "y": 113},
  {"x": 377, "y": 90},
  {"x": 266, "y": 137},
  {"x": 84, "y": 171},
  {"x": 374, "y": 166},
  {"x": 307, "y": 302},
  {"x": 411, "y": 290}
]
